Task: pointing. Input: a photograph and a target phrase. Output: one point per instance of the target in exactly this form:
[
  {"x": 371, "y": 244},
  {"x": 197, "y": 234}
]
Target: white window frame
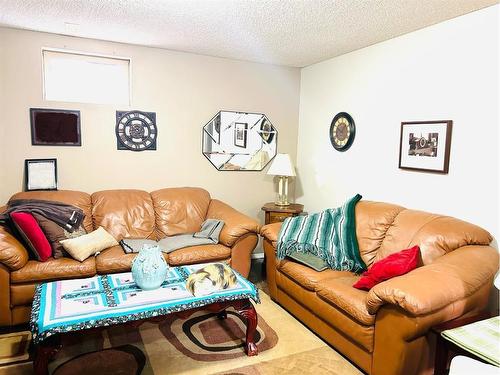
[{"x": 90, "y": 54}]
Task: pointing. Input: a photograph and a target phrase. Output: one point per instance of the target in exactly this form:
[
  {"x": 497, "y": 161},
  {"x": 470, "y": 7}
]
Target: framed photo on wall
[
  {"x": 55, "y": 127},
  {"x": 425, "y": 146},
  {"x": 240, "y": 134},
  {"x": 40, "y": 174}
]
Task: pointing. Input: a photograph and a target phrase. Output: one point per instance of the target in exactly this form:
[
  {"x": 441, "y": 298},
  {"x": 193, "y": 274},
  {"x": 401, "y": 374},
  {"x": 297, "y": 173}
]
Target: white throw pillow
[{"x": 82, "y": 247}]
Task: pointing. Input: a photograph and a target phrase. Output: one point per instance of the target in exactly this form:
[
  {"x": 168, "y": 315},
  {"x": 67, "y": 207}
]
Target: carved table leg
[
  {"x": 246, "y": 309},
  {"x": 44, "y": 352}
]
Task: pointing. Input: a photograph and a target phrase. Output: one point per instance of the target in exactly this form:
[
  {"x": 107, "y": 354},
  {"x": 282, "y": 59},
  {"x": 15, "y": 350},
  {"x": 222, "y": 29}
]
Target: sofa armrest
[
  {"x": 451, "y": 278},
  {"x": 236, "y": 224},
  {"x": 271, "y": 232},
  {"x": 12, "y": 254}
]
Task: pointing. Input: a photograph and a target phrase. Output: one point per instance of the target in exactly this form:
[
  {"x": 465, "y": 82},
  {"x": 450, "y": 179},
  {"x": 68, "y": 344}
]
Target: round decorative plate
[
  {"x": 136, "y": 130},
  {"x": 342, "y": 131}
]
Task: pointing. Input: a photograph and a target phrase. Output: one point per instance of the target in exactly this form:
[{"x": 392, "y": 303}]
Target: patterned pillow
[
  {"x": 55, "y": 233},
  {"x": 32, "y": 234}
]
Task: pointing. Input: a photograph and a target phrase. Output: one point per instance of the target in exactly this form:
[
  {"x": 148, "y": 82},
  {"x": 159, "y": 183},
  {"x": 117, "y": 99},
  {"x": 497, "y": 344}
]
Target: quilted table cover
[{"x": 104, "y": 300}]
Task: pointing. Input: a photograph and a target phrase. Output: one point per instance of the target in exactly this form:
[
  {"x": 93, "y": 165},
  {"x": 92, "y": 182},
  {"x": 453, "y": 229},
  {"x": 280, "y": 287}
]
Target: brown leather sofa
[
  {"x": 386, "y": 330},
  {"x": 123, "y": 213}
]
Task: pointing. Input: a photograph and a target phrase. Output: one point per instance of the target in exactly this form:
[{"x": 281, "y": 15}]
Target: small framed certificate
[{"x": 40, "y": 174}]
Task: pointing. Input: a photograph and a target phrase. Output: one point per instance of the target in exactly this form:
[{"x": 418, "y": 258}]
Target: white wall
[
  {"x": 185, "y": 91},
  {"x": 447, "y": 71}
]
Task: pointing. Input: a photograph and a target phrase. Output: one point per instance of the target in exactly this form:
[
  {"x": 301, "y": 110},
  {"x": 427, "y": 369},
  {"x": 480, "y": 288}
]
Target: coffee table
[{"x": 66, "y": 306}]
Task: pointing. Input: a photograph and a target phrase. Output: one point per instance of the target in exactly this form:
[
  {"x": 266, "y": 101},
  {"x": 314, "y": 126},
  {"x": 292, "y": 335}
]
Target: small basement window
[{"x": 85, "y": 78}]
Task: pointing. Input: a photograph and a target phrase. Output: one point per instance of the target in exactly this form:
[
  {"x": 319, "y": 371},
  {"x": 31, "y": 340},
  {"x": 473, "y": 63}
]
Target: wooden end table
[{"x": 276, "y": 214}]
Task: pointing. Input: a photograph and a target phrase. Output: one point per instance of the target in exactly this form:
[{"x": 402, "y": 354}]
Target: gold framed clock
[{"x": 342, "y": 131}]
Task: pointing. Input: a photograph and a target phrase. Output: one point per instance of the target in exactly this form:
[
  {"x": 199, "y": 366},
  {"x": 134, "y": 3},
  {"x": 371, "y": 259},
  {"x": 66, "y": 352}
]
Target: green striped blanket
[{"x": 329, "y": 234}]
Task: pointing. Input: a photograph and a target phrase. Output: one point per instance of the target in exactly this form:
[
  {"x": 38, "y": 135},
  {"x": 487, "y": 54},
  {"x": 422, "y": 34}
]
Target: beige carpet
[{"x": 203, "y": 345}]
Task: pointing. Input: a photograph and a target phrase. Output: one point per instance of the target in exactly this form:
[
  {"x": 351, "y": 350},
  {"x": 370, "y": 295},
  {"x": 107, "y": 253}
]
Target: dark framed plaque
[
  {"x": 40, "y": 174},
  {"x": 55, "y": 127},
  {"x": 425, "y": 146}
]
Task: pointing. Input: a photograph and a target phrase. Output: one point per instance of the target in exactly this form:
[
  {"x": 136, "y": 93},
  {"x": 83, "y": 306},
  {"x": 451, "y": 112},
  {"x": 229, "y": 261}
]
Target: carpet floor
[{"x": 201, "y": 344}]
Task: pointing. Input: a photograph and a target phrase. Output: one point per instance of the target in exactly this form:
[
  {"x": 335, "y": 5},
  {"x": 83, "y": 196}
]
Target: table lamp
[{"x": 283, "y": 168}]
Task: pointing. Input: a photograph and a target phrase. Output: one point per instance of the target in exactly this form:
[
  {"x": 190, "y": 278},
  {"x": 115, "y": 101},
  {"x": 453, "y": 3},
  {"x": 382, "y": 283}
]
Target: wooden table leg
[
  {"x": 43, "y": 353},
  {"x": 246, "y": 309},
  {"x": 441, "y": 360}
]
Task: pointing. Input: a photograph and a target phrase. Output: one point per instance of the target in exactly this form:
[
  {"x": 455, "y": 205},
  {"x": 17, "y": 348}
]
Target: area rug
[{"x": 201, "y": 344}]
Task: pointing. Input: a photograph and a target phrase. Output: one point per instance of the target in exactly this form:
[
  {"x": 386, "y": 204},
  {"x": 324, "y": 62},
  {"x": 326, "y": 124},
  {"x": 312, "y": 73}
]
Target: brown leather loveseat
[
  {"x": 386, "y": 331},
  {"x": 123, "y": 213}
]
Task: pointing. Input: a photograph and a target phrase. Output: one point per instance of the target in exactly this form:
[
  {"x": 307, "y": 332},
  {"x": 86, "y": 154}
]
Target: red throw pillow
[
  {"x": 396, "y": 264},
  {"x": 32, "y": 234}
]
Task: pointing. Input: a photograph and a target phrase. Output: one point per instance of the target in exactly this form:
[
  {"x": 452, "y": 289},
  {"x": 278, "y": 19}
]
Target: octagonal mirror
[{"x": 239, "y": 141}]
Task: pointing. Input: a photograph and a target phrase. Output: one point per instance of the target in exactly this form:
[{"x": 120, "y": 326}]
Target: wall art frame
[
  {"x": 425, "y": 146},
  {"x": 55, "y": 127},
  {"x": 240, "y": 134},
  {"x": 40, "y": 174}
]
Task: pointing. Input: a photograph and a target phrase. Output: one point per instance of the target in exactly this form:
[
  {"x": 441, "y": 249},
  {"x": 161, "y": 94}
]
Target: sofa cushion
[
  {"x": 436, "y": 235},
  {"x": 75, "y": 198},
  {"x": 22, "y": 294},
  {"x": 340, "y": 293},
  {"x": 306, "y": 276},
  {"x": 179, "y": 210},
  {"x": 113, "y": 260},
  {"x": 53, "y": 269},
  {"x": 199, "y": 254},
  {"x": 124, "y": 213},
  {"x": 373, "y": 220}
]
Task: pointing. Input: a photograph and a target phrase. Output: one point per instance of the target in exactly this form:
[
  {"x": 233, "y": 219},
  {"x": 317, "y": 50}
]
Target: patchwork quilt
[{"x": 104, "y": 300}]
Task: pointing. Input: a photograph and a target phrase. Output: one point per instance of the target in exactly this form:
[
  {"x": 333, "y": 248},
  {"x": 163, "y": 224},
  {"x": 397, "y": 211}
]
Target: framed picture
[
  {"x": 425, "y": 146},
  {"x": 55, "y": 127},
  {"x": 240, "y": 134},
  {"x": 40, "y": 174}
]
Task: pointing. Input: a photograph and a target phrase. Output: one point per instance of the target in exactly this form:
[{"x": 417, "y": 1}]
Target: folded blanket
[
  {"x": 329, "y": 234},
  {"x": 208, "y": 235},
  {"x": 67, "y": 216}
]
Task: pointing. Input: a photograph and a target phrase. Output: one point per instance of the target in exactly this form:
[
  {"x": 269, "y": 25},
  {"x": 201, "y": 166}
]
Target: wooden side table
[{"x": 276, "y": 214}]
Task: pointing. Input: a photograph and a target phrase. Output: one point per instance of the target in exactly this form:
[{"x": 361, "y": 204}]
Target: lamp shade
[{"x": 281, "y": 166}]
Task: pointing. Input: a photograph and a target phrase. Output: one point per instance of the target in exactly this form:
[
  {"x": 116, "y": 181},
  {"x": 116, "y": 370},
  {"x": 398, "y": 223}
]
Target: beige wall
[
  {"x": 446, "y": 71},
  {"x": 185, "y": 91}
]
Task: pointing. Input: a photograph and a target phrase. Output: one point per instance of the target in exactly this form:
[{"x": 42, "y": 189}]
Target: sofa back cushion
[
  {"x": 179, "y": 210},
  {"x": 435, "y": 234},
  {"x": 75, "y": 198},
  {"x": 373, "y": 220},
  {"x": 124, "y": 213}
]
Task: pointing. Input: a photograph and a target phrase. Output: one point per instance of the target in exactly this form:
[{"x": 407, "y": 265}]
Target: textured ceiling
[{"x": 284, "y": 32}]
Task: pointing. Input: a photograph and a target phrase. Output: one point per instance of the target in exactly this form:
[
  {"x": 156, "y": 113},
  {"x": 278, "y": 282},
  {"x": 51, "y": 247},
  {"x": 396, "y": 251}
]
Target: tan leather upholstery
[
  {"x": 75, "y": 198},
  {"x": 340, "y": 293},
  {"x": 373, "y": 220},
  {"x": 306, "y": 276},
  {"x": 199, "y": 254},
  {"x": 12, "y": 253},
  {"x": 236, "y": 223},
  {"x": 53, "y": 269},
  {"x": 5, "y": 314},
  {"x": 22, "y": 294},
  {"x": 242, "y": 251},
  {"x": 427, "y": 289},
  {"x": 124, "y": 213},
  {"x": 386, "y": 330},
  {"x": 179, "y": 210},
  {"x": 113, "y": 260}
]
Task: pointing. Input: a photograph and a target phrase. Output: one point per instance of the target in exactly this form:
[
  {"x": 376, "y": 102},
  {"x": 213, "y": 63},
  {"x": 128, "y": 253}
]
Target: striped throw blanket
[{"x": 329, "y": 234}]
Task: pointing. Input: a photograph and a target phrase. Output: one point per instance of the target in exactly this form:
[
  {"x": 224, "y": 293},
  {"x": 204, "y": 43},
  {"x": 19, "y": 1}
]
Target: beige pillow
[{"x": 82, "y": 247}]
